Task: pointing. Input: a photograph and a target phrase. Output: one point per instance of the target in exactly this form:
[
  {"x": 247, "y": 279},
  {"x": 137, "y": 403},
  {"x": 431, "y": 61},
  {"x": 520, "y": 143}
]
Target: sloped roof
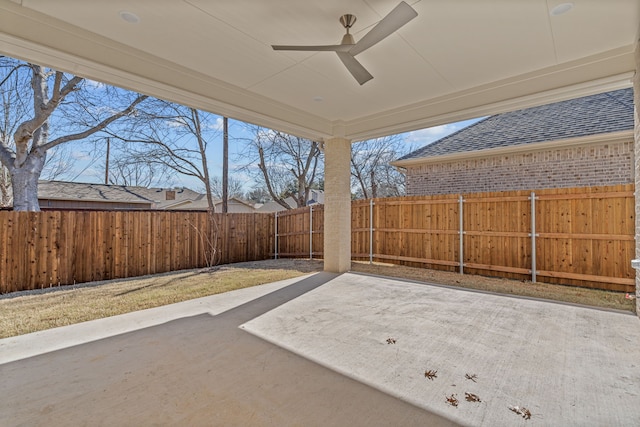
[
  {"x": 63, "y": 190},
  {"x": 155, "y": 197},
  {"x": 234, "y": 204},
  {"x": 597, "y": 114},
  {"x": 276, "y": 207},
  {"x": 159, "y": 195}
]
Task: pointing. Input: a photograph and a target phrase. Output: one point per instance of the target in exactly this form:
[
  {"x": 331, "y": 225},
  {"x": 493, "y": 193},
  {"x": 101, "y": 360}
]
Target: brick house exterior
[{"x": 582, "y": 142}]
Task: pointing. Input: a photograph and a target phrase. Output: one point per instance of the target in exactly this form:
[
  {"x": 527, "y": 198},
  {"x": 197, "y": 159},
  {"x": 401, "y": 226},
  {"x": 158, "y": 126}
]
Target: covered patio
[
  {"x": 334, "y": 349},
  {"x": 330, "y": 350},
  {"x": 453, "y": 61}
]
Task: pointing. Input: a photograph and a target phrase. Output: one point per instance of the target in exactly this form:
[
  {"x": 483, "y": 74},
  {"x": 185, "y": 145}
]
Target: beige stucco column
[
  {"x": 636, "y": 116},
  {"x": 337, "y": 205}
]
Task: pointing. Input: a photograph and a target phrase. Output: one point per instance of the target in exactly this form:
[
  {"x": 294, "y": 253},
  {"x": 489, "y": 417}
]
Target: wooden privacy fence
[
  {"x": 299, "y": 232},
  {"x": 51, "y": 248},
  {"x": 578, "y": 236}
]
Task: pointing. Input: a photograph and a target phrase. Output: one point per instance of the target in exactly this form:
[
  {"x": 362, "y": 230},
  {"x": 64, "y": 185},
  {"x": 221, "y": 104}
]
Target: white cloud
[
  {"x": 95, "y": 84},
  {"x": 219, "y": 124},
  {"x": 176, "y": 123}
]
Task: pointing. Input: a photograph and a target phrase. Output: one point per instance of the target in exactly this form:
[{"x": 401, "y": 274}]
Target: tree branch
[{"x": 103, "y": 124}]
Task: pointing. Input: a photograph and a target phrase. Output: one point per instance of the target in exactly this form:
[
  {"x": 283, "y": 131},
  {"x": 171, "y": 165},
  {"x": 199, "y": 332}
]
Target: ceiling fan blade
[
  {"x": 321, "y": 48},
  {"x": 391, "y": 23},
  {"x": 355, "y": 68}
]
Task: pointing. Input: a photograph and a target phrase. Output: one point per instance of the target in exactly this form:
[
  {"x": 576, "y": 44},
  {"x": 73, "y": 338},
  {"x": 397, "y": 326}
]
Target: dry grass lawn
[{"x": 25, "y": 312}]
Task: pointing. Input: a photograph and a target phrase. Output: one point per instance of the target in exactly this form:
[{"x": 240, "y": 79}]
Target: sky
[
  {"x": 86, "y": 162},
  {"x": 87, "y": 169}
]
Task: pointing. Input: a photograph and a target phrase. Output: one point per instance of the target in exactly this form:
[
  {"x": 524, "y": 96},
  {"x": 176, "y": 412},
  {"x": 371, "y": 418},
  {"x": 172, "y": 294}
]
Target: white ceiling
[{"x": 457, "y": 60}]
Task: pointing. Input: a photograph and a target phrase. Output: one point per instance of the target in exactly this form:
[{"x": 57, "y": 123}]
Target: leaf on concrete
[
  {"x": 430, "y": 374},
  {"x": 451, "y": 400},
  {"x": 471, "y": 377},
  {"x": 471, "y": 397},
  {"x": 524, "y": 412}
]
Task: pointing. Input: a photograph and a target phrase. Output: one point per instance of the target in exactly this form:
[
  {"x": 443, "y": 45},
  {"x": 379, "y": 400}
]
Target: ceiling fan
[{"x": 348, "y": 48}]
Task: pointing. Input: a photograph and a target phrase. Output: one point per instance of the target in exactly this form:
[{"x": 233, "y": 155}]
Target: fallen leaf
[
  {"x": 431, "y": 374},
  {"x": 471, "y": 397},
  {"x": 451, "y": 400},
  {"x": 524, "y": 412},
  {"x": 471, "y": 377}
]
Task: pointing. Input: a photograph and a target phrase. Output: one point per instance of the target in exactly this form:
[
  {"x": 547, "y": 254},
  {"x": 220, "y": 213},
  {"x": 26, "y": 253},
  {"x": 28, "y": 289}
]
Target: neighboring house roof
[
  {"x": 75, "y": 191},
  {"x": 163, "y": 198},
  {"x": 235, "y": 205},
  {"x": 596, "y": 114},
  {"x": 315, "y": 197},
  {"x": 154, "y": 198},
  {"x": 276, "y": 207}
]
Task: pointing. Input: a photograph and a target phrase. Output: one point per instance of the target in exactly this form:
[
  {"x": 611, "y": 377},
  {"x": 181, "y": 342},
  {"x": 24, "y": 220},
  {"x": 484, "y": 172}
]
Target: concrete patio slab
[
  {"x": 568, "y": 365},
  {"x": 28, "y": 345},
  {"x": 194, "y": 371},
  {"x": 317, "y": 354}
]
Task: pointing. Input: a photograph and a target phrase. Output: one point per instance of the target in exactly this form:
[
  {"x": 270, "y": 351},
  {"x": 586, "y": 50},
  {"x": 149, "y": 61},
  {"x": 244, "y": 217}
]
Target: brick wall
[{"x": 579, "y": 166}]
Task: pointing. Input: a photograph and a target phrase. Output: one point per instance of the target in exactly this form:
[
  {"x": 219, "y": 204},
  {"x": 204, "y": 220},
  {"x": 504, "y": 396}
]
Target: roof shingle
[{"x": 596, "y": 114}]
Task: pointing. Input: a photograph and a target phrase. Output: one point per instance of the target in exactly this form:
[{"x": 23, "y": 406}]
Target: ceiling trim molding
[{"x": 612, "y": 137}]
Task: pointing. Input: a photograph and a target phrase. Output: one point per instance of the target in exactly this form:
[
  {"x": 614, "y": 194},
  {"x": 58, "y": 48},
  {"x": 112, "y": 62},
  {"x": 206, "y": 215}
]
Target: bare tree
[
  {"x": 286, "y": 165},
  {"x": 126, "y": 167},
  {"x": 59, "y": 164},
  {"x": 6, "y": 196},
  {"x": 78, "y": 108},
  {"x": 234, "y": 187},
  {"x": 258, "y": 195},
  {"x": 124, "y": 171},
  {"x": 371, "y": 173},
  {"x": 173, "y": 137}
]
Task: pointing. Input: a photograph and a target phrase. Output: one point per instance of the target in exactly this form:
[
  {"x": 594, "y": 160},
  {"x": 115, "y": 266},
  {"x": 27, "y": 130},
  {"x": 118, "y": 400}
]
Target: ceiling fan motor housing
[{"x": 347, "y": 21}]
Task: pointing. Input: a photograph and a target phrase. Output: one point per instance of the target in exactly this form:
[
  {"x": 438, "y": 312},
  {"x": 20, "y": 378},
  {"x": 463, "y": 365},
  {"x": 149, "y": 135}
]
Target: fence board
[
  {"x": 585, "y": 236},
  {"x": 53, "y": 248}
]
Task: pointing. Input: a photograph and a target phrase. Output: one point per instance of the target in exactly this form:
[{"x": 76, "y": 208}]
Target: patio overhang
[
  {"x": 455, "y": 61},
  {"x": 588, "y": 50}
]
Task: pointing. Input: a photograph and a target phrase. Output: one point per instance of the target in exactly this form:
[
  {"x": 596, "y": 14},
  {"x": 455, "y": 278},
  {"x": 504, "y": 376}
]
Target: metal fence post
[
  {"x": 533, "y": 236},
  {"x": 276, "y": 239},
  {"x": 310, "y": 231},
  {"x": 371, "y": 231},
  {"x": 460, "y": 208}
]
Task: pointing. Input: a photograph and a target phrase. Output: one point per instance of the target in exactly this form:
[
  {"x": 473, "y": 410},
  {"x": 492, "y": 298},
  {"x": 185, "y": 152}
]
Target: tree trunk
[
  {"x": 24, "y": 180},
  {"x": 6, "y": 195}
]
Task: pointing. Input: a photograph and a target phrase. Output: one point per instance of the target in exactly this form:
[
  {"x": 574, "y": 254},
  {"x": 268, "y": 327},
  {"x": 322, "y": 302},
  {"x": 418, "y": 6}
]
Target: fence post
[
  {"x": 370, "y": 231},
  {"x": 533, "y": 236},
  {"x": 461, "y": 232},
  {"x": 276, "y": 239},
  {"x": 310, "y": 231}
]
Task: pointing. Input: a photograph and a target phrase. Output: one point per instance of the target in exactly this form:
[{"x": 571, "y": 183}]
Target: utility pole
[
  {"x": 225, "y": 164},
  {"x": 106, "y": 167}
]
